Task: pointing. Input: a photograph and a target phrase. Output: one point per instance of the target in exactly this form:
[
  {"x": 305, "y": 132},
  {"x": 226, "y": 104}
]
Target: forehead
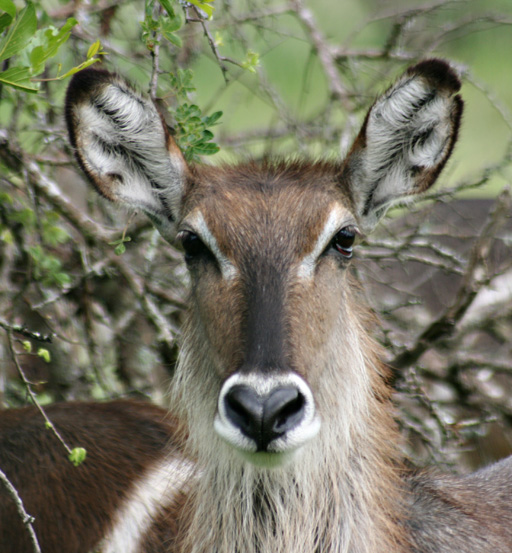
[{"x": 266, "y": 204}]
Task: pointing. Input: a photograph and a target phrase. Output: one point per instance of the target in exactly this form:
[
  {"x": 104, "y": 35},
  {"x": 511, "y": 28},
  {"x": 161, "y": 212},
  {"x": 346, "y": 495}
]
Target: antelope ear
[
  {"x": 406, "y": 139},
  {"x": 123, "y": 146}
]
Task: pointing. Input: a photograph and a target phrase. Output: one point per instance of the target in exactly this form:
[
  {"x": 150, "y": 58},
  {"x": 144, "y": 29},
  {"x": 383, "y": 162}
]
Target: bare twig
[
  {"x": 474, "y": 278},
  {"x": 24, "y": 331},
  {"x": 52, "y": 193},
  {"x": 324, "y": 52},
  {"x": 25, "y": 517},
  {"x": 155, "y": 57},
  {"x": 221, "y": 60},
  {"x": 32, "y": 395}
]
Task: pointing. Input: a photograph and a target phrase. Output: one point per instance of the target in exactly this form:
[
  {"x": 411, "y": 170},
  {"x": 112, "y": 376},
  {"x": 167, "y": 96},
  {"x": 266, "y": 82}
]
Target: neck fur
[{"x": 339, "y": 494}]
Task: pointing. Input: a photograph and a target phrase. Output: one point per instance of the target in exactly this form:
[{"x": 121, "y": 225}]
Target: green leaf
[
  {"x": 194, "y": 122},
  {"x": 120, "y": 249},
  {"x": 78, "y": 68},
  {"x": 167, "y": 6},
  {"x": 8, "y": 7},
  {"x": 27, "y": 346},
  {"x": 208, "y": 10},
  {"x": 5, "y": 21},
  {"x": 44, "y": 354},
  {"x": 46, "y": 43},
  {"x": 6, "y": 236},
  {"x": 62, "y": 279},
  {"x": 47, "y": 268},
  {"x": 212, "y": 119},
  {"x": 78, "y": 455},
  {"x": 36, "y": 252},
  {"x": 193, "y": 135},
  {"x": 252, "y": 60},
  {"x": 181, "y": 83},
  {"x": 206, "y": 149},
  {"x": 94, "y": 48},
  {"x": 20, "y": 33},
  {"x": 172, "y": 23},
  {"x": 54, "y": 235},
  {"x": 172, "y": 38},
  {"x": 36, "y": 58},
  {"x": 194, "y": 111},
  {"x": 6, "y": 199},
  {"x": 18, "y": 77},
  {"x": 25, "y": 216},
  {"x": 219, "y": 40}
]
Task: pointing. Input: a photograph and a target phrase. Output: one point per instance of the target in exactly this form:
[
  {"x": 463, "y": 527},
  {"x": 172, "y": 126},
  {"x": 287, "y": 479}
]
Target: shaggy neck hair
[{"x": 340, "y": 493}]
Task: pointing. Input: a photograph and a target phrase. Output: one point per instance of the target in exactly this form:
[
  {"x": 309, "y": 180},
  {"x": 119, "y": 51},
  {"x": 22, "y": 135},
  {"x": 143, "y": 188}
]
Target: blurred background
[{"x": 91, "y": 299}]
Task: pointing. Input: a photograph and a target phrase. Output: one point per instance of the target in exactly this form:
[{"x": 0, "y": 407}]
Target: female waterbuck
[{"x": 284, "y": 440}]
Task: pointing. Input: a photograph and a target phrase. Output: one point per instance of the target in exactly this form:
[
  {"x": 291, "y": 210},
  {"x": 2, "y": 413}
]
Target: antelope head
[{"x": 275, "y": 345}]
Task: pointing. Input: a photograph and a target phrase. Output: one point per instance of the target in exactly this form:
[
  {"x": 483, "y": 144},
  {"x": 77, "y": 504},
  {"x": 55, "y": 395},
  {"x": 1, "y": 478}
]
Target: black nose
[{"x": 264, "y": 418}]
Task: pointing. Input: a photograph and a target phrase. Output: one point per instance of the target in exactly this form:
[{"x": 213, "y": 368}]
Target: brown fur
[{"x": 247, "y": 199}]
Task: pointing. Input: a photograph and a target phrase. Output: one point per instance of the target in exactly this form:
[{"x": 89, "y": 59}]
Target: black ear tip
[
  {"x": 80, "y": 87},
  {"x": 457, "y": 111},
  {"x": 459, "y": 106},
  {"x": 437, "y": 72},
  {"x": 87, "y": 79}
]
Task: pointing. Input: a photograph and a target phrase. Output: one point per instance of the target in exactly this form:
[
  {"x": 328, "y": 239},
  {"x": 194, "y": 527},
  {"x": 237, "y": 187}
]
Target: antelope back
[
  {"x": 274, "y": 324},
  {"x": 110, "y": 500}
]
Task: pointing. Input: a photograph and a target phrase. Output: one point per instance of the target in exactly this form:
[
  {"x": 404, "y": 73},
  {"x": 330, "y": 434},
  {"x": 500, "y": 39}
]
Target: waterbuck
[{"x": 282, "y": 438}]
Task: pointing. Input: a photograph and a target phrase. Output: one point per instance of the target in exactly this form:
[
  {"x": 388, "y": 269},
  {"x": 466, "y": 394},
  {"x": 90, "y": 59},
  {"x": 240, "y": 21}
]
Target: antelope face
[
  {"x": 268, "y": 288},
  {"x": 267, "y": 246}
]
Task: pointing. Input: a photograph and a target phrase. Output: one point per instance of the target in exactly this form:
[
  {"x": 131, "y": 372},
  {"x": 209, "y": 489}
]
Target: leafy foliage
[
  {"x": 32, "y": 47},
  {"x": 193, "y": 133},
  {"x": 194, "y": 137},
  {"x": 166, "y": 24}
]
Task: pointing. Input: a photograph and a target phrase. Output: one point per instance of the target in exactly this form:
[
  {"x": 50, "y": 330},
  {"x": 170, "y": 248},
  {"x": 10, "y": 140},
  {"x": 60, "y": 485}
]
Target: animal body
[{"x": 282, "y": 437}]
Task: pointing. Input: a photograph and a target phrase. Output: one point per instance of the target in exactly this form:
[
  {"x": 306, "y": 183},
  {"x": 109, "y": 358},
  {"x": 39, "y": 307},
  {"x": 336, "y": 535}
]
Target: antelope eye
[
  {"x": 344, "y": 240},
  {"x": 192, "y": 245}
]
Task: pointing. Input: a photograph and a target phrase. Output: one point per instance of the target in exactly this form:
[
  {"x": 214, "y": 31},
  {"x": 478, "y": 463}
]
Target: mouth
[{"x": 268, "y": 460}]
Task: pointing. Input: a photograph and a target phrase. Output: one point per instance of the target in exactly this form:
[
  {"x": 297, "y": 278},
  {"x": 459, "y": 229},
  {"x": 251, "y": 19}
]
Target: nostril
[
  {"x": 244, "y": 408},
  {"x": 284, "y": 410},
  {"x": 290, "y": 415}
]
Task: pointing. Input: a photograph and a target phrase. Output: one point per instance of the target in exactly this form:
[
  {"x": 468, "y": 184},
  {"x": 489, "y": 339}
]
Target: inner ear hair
[
  {"x": 123, "y": 146},
  {"x": 406, "y": 139}
]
